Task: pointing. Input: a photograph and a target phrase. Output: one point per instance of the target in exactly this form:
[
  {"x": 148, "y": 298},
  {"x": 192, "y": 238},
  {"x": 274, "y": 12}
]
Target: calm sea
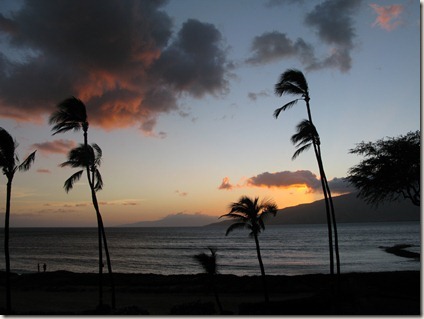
[{"x": 286, "y": 250}]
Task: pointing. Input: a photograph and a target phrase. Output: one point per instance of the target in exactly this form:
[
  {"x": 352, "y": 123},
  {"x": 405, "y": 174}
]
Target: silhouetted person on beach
[
  {"x": 38, "y": 267},
  {"x": 44, "y": 267}
]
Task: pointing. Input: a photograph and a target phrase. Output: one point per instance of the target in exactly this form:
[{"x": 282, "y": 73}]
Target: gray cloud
[
  {"x": 332, "y": 21},
  {"x": 117, "y": 56},
  {"x": 273, "y": 46}
]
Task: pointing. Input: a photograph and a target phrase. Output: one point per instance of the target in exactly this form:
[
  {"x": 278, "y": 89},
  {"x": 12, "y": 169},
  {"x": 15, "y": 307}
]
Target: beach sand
[{"x": 67, "y": 293}]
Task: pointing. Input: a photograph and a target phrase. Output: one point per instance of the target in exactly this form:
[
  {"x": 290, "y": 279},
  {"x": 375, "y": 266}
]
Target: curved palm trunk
[
  {"x": 332, "y": 211},
  {"x": 6, "y": 247},
  {"x": 109, "y": 265},
  {"x": 333, "y": 219},
  {"x": 101, "y": 233},
  {"x": 325, "y": 189},
  {"x": 261, "y": 265}
]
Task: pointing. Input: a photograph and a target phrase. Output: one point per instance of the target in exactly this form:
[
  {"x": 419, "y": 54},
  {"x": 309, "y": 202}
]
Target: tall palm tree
[
  {"x": 209, "y": 264},
  {"x": 9, "y": 162},
  {"x": 82, "y": 157},
  {"x": 293, "y": 82},
  {"x": 70, "y": 115},
  {"x": 249, "y": 213}
]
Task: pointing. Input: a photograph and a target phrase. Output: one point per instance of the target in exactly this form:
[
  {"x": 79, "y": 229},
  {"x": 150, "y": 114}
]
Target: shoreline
[{"x": 368, "y": 293}]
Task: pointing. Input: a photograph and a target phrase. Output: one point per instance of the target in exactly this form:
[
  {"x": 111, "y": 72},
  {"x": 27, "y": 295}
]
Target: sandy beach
[{"x": 67, "y": 293}]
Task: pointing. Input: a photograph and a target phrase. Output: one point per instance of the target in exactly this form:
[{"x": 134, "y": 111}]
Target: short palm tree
[
  {"x": 209, "y": 264},
  {"x": 293, "y": 82},
  {"x": 70, "y": 115},
  {"x": 9, "y": 162},
  {"x": 250, "y": 214}
]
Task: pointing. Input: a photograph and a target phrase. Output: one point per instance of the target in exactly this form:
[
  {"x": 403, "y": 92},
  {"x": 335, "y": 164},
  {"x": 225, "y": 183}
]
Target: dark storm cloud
[
  {"x": 117, "y": 56},
  {"x": 333, "y": 22},
  {"x": 195, "y": 61}
]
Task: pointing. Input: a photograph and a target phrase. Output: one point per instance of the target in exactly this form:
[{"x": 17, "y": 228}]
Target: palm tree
[
  {"x": 294, "y": 82},
  {"x": 249, "y": 213},
  {"x": 72, "y": 115},
  {"x": 9, "y": 162},
  {"x": 90, "y": 157},
  {"x": 208, "y": 262}
]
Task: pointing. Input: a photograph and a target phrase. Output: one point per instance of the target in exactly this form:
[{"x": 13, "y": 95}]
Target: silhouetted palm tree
[
  {"x": 90, "y": 157},
  {"x": 251, "y": 214},
  {"x": 72, "y": 115},
  {"x": 9, "y": 162},
  {"x": 209, "y": 264},
  {"x": 294, "y": 82}
]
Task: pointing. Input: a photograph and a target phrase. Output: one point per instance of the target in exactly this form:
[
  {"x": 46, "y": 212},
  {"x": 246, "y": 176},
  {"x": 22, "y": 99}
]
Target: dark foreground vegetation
[{"x": 67, "y": 293}]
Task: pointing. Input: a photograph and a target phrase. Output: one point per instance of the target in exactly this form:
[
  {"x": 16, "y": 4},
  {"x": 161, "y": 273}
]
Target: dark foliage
[{"x": 390, "y": 169}]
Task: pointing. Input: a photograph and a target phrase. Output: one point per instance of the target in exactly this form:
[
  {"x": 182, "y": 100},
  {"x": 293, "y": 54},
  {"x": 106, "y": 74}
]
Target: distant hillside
[
  {"x": 177, "y": 220},
  {"x": 349, "y": 209}
]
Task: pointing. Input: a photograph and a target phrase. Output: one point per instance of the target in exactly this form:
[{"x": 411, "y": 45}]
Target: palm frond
[
  {"x": 97, "y": 154},
  {"x": 8, "y": 146},
  {"x": 69, "y": 183},
  {"x": 208, "y": 262},
  {"x": 301, "y": 150},
  {"x": 292, "y": 81},
  {"x": 284, "y": 107},
  {"x": 26, "y": 165},
  {"x": 235, "y": 226},
  {"x": 80, "y": 156},
  {"x": 71, "y": 114},
  {"x": 99, "y": 181}
]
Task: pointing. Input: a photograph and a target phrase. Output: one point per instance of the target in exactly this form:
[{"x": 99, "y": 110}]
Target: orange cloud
[
  {"x": 387, "y": 15},
  {"x": 301, "y": 179},
  {"x": 128, "y": 65},
  {"x": 226, "y": 184}
]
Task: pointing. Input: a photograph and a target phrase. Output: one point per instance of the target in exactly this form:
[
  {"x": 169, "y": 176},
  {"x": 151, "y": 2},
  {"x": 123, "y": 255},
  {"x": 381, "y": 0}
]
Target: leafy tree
[
  {"x": 390, "y": 169},
  {"x": 70, "y": 115},
  {"x": 9, "y": 162},
  {"x": 294, "y": 82},
  {"x": 250, "y": 214},
  {"x": 209, "y": 264}
]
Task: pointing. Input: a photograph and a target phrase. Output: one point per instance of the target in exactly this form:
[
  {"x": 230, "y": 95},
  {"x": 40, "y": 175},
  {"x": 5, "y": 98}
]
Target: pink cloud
[
  {"x": 43, "y": 170},
  {"x": 226, "y": 184},
  {"x": 57, "y": 146},
  {"x": 387, "y": 15}
]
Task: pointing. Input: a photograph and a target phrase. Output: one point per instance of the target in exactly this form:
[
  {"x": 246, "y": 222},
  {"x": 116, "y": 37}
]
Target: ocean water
[{"x": 286, "y": 250}]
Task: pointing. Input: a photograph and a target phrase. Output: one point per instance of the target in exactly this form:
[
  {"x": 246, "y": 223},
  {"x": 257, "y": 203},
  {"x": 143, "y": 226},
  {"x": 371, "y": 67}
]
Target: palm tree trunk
[
  {"x": 99, "y": 234},
  {"x": 261, "y": 265},
  {"x": 336, "y": 237},
  {"x": 333, "y": 214},
  {"x": 327, "y": 208},
  {"x": 325, "y": 189},
  {"x": 109, "y": 265},
  {"x": 6, "y": 247}
]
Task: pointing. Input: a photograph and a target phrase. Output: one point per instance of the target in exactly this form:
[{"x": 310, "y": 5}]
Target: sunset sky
[{"x": 180, "y": 97}]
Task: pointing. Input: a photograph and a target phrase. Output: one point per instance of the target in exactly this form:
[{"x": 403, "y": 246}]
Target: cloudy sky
[{"x": 180, "y": 97}]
